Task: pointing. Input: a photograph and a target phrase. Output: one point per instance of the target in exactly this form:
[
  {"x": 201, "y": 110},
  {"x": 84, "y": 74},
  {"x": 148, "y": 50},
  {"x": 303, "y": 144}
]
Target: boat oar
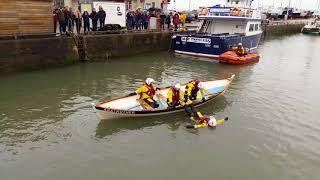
[{"x": 219, "y": 121}]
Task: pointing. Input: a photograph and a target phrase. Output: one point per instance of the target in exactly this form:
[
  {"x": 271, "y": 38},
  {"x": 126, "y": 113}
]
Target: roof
[{"x": 228, "y": 18}]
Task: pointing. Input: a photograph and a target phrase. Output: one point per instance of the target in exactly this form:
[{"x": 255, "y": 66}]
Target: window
[
  {"x": 256, "y": 27},
  {"x": 251, "y": 28}
]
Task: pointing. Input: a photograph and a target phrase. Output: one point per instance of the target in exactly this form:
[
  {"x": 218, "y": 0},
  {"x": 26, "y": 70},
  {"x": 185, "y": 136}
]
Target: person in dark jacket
[
  {"x": 163, "y": 19},
  {"x": 86, "y": 21},
  {"x": 94, "y": 18},
  {"x": 68, "y": 15},
  {"x": 138, "y": 20},
  {"x": 78, "y": 20},
  {"x": 102, "y": 17},
  {"x": 134, "y": 17},
  {"x": 129, "y": 20},
  {"x": 143, "y": 21},
  {"x": 62, "y": 20},
  {"x": 72, "y": 20},
  {"x": 168, "y": 20}
]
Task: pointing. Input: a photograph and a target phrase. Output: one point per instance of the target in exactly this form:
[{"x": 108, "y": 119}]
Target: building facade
[
  {"x": 27, "y": 16},
  {"x": 130, "y": 4},
  {"x": 146, "y": 4}
]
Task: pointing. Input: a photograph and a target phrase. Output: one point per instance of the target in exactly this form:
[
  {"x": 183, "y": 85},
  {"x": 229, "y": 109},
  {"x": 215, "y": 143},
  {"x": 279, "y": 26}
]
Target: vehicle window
[
  {"x": 256, "y": 28},
  {"x": 251, "y": 28}
]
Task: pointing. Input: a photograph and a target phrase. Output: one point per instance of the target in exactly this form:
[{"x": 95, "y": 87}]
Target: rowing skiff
[{"x": 130, "y": 106}]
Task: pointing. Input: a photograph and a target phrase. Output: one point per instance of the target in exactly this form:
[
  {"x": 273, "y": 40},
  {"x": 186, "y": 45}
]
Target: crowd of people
[
  {"x": 69, "y": 20},
  {"x": 139, "y": 20}
]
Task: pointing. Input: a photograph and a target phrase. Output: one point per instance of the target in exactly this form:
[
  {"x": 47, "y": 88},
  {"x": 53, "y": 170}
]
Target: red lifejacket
[
  {"x": 203, "y": 120},
  {"x": 176, "y": 95},
  {"x": 151, "y": 92},
  {"x": 195, "y": 90}
]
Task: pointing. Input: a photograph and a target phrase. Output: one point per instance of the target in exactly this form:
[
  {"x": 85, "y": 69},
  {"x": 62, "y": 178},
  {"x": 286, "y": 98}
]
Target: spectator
[
  {"x": 73, "y": 17},
  {"x": 171, "y": 20},
  {"x": 102, "y": 17},
  {"x": 133, "y": 20},
  {"x": 78, "y": 20},
  {"x": 147, "y": 20},
  {"x": 62, "y": 20},
  {"x": 129, "y": 20},
  {"x": 55, "y": 20},
  {"x": 176, "y": 21},
  {"x": 138, "y": 20},
  {"x": 86, "y": 21},
  {"x": 94, "y": 18},
  {"x": 68, "y": 18},
  {"x": 143, "y": 20},
  {"x": 162, "y": 20},
  {"x": 168, "y": 20}
]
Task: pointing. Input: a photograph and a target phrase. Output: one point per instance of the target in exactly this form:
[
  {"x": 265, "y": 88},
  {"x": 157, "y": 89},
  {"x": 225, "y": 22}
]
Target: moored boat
[
  {"x": 221, "y": 28},
  {"x": 231, "y": 57},
  {"x": 130, "y": 106},
  {"x": 311, "y": 28}
]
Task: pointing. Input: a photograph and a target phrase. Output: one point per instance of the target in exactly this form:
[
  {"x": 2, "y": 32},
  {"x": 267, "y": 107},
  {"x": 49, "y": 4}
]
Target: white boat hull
[{"x": 129, "y": 107}]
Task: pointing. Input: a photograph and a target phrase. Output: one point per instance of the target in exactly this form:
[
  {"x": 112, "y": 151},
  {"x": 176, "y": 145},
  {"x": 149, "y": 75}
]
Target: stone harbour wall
[
  {"x": 281, "y": 29},
  {"x": 102, "y": 47},
  {"x": 31, "y": 54}
]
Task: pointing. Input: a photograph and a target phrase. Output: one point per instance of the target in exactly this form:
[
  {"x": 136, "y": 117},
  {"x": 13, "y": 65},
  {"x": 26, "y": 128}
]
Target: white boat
[{"x": 130, "y": 106}]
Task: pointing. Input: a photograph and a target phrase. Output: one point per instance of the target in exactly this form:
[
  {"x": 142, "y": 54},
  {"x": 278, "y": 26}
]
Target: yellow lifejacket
[{"x": 146, "y": 91}]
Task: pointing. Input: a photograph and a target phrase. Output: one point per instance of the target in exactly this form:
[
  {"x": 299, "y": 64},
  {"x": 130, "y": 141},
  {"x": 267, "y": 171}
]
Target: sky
[{"x": 301, "y": 4}]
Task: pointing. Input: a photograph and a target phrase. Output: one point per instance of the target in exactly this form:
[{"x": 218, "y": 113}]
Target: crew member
[
  {"x": 191, "y": 91},
  {"x": 241, "y": 51},
  {"x": 175, "y": 96},
  {"x": 190, "y": 94},
  {"x": 201, "y": 121},
  {"x": 146, "y": 92}
]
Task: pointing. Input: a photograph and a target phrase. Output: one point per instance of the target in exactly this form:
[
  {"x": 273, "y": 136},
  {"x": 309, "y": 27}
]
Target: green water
[{"x": 48, "y": 129}]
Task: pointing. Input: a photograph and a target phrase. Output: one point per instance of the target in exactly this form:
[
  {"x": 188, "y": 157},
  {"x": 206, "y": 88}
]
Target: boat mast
[{"x": 300, "y": 3}]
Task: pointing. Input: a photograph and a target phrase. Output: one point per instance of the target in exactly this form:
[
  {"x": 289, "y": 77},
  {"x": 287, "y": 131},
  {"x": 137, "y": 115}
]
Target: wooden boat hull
[
  {"x": 129, "y": 107},
  {"x": 231, "y": 57}
]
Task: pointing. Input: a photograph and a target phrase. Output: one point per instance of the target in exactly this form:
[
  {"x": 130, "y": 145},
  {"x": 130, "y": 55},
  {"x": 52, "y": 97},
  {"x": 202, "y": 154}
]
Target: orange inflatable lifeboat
[{"x": 231, "y": 57}]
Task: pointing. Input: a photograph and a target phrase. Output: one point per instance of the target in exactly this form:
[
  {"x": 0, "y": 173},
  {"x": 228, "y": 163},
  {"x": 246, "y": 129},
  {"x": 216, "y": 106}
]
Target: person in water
[
  {"x": 146, "y": 92},
  {"x": 240, "y": 50},
  {"x": 201, "y": 121},
  {"x": 190, "y": 94},
  {"x": 175, "y": 96}
]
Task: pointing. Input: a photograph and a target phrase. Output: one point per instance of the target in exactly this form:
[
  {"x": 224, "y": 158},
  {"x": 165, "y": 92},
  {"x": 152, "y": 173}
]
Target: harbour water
[{"x": 48, "y": 129}]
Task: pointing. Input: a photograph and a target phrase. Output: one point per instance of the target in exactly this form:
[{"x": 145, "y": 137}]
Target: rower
[
  {"x": 146, "y": 92},
  {"x": 241, "y": 50},
  {"x": 175, "y": 96}
]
